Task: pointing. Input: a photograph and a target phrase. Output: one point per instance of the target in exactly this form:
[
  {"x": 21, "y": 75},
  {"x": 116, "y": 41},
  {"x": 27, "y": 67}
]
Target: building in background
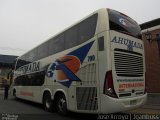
[
  {"x": 151, "y": 38},
  {"x": 6, "y": 67}
]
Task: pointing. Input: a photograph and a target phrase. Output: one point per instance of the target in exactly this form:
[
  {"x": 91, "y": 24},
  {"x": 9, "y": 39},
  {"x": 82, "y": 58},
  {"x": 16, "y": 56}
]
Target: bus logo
[
  {"x": 129, "y": 43},
  {"x": 130, "y": 46},
  {"x": 123, "y": 21},
  {"x": 64, "y": 69}
]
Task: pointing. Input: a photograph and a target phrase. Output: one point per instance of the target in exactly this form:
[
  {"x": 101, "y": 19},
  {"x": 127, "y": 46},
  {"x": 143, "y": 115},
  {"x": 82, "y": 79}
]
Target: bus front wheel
[{"x": 14, "y": 93}]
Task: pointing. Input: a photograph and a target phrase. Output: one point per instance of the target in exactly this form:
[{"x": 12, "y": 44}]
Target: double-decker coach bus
[{"x": 95, "y": 66}]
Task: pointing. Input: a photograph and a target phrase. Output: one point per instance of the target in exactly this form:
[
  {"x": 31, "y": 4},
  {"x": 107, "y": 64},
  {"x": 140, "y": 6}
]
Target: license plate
[{"x": 133, "y": 102}]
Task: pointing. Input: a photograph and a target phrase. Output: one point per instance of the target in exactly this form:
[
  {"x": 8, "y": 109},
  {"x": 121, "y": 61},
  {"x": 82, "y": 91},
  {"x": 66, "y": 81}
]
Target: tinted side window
[
  {"x": 43, "y": 50},
  {"x": 27, "y": 58},
  {"x": 17, "y": 81},
  {"x": 71, "y": 37},
  {"x": 81, "y": 32},
  {"x": 56, "y": 44},
  {"x": 124, "y": 24},
  {"x": 38, "y": 79},
  {"x": 87, "y": 28},
  {"x": 21, "y": 61},
  {"x": 35, "y": 79},
  {"x": 31, "y": 56}
]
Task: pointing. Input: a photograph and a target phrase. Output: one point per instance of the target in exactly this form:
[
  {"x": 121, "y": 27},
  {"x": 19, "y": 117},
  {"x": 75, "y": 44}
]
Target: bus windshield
[{"x": 124, "y": 24}]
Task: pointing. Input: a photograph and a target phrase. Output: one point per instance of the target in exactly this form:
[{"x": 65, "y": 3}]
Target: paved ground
[
  {"x": 151, "y": 107},
  {"x": 147, "y": 109},
  {"x": 12, "y": 109}
]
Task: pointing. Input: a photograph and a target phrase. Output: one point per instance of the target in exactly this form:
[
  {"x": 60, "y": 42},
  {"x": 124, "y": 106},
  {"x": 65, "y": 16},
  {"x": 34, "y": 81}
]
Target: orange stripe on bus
[{"x": 26, "y": 93}]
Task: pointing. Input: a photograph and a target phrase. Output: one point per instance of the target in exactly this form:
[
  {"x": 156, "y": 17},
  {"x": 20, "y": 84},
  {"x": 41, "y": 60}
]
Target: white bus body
[{"x": 94, "y": 66}]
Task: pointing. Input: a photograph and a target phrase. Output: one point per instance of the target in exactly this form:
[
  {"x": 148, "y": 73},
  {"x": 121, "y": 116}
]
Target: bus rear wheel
[
  {"x": 61, "y": 104},
  {"x": 47, "y": 102}
]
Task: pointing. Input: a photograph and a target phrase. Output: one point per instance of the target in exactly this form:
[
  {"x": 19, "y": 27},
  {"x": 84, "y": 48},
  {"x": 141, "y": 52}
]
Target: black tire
[
  {"x": 61, "y": 104},
  {"x": 47, "y": 102},
  {"x": 14, "y": 94}
]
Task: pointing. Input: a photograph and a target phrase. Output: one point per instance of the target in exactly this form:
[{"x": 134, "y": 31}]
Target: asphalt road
[
  {"x": 17, "y": 109},
  {"x": 13, "y": 109}
]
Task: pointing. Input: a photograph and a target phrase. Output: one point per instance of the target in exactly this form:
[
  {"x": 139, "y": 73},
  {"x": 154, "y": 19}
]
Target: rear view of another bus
[{"x": 123, "y": 87}]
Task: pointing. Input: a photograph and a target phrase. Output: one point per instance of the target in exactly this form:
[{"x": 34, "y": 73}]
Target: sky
[{"x": 24, "y": 24}]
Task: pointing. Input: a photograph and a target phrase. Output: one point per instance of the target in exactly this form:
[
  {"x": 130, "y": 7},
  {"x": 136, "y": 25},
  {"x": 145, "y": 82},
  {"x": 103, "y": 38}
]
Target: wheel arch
[
  {"x": 58, "y": 92},
  {"x": 45, "y": 91}
]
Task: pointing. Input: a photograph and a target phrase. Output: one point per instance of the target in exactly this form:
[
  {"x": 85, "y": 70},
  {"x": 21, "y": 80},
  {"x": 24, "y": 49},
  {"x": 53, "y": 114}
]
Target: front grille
[{"x": 128, "y": 63}]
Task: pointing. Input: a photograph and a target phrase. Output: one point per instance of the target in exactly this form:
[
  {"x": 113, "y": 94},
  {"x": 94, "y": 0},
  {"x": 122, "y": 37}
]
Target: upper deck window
[{"x": 124, "y": 24}]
